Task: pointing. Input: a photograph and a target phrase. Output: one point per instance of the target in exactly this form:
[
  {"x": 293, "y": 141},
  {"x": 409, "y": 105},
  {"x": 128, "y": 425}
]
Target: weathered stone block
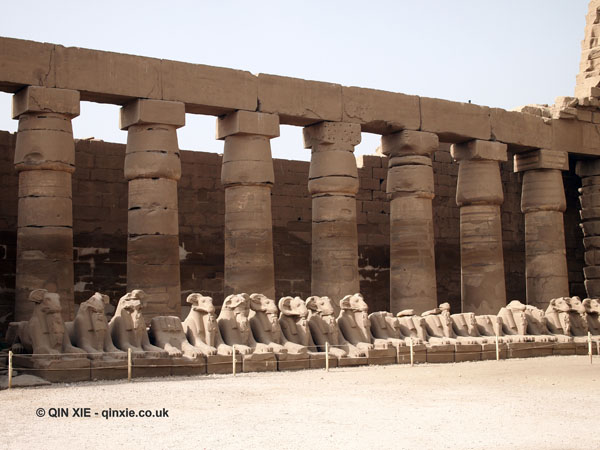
[
  {"x": 342, "y": 134},
  {"x": 45, "y": 211},
  {"x": 207, "y": 89},
  {"x": 42, "y": 99},
  {"x": 152, "y": 164},
  {"x": 440, "y": 353},
  {"x": 44, "y": 183},
  {"x": 149, "y": 137},
  {"x": 410, "y": 179},
  {"x": 222, "y": 364},
  {"x": 541, "y": 159},
  {"x": 188, "y": 367},
  {"x": 333, "y": 163},
  {"x": 520, "y": 130},
  {"x": 45, "y": 149},
  {"x": 107, "y": 77},
  {"x": 149, "y": 193},
  {"x": 477, "y": 150},
  {"x": 113, "y": 369},
  {"x": 153, "y": 249},
  {"x": 246, "y": 122},
  {"x": 55, "y": 370},
  {"x": 150, "y": 367},
  {"x": 47, "y": 243},
  {"x": 146, "y": 111},
  {"x": 380, "y": 111},
  {"x": 259, "y": 362},
  {"x": 299, "y": 102},
  {"x": 467, "y": 352},
  {"x": 453, "y": 121},
  {"x": 25, "y": 63},
  {"x": 479, "y": 182},
  {"x": 292, "y": 361},
  {"x": 409, "y": 142},
  {"x": 153, "y": 221}
]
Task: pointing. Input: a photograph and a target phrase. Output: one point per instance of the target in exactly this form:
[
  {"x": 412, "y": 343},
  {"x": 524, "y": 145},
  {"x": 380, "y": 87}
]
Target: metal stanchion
[
  {"x": 590, "y": 346},
  {"x": 10, "y": 355},
  {"x": 128, "y": 364},
  {"x": 233, "y": 359},
  {"x": 398, "y": 354},
  {"x": 326, "y": 356},
  {"x": 497, "y": 349},
  {"x": 412, "y": 354}
]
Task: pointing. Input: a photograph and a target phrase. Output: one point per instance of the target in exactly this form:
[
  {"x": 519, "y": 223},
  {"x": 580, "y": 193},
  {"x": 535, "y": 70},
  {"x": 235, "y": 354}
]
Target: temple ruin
[{"x": 465, "y": 204}]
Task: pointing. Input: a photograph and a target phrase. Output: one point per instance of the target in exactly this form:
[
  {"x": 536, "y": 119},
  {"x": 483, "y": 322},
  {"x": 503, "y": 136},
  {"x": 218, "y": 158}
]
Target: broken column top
[
  {"x": 248, "y": 123},
  {"x": 477, "y": 150},
  {"x": 407, "y": 142},
  {"x": 332, "y": 133},
  {"x": 145, "y": 111},
  {"x": 541, "y": 159},
  {"x": 34, "y": 99}
]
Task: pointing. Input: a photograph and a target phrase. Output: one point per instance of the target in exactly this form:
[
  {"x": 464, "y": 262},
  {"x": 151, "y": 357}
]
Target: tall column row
[{"x": 45, "y": 160}]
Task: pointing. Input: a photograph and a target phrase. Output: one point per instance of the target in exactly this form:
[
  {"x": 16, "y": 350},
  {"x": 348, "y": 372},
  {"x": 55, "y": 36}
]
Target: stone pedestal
[
  {"x": 479, "y": 195},
  {"x": 589, "y": 171},
  {"x": 333, "y": 184},
  {"x": 153, "y": 168},
  {"x": 45, "y": 160},
  {"x": 543, "y": 203},
  {"x": 247, "y": 175},
  {"x": 412, "y": 245}
]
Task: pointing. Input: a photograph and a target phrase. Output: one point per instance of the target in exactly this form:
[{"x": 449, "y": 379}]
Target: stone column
[
  {"x": 333, "y": 184},
  {"x": 248, "y": 177},
  {"x": 45, "y": 160},
  {"x": 589, "y": 171},
  {"x": 153, "y": 168},
  {"x": 412, "y": 244},
  {"x": 543, "y": 203},
  {"x": 479, "y": 195}
]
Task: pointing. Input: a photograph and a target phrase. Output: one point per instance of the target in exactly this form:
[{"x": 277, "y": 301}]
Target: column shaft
[
  {"x": 589, "y": 198},
  {"x": 543, "y": 203},
  {"x": 479, "y": 195},
  {"x": 45, "y": 160},
  {"x": 153, "y": 168},
  {"x": 248, "y": 177},
  {"x": 412, "y": 244},
  {"x": 333, "y": 184}
]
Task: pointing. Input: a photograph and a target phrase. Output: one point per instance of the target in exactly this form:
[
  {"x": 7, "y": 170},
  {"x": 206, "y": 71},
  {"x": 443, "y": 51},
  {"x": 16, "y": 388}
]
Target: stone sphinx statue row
[{"x": 292, "y": 334}]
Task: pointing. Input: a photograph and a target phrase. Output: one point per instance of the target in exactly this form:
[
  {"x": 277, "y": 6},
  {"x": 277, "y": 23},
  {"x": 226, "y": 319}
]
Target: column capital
[
  {"x": 478, "y": 150},
  {"x": 541, "y": 159},
  {"x": 327, "y": 133},
  {"x": 409, "y": 143},
  {"x": 248, "y": 123},
  {"x": 146, "y": 111},
  {"x": 588, "y": 167},
  {"x": 33, "y": 99}
]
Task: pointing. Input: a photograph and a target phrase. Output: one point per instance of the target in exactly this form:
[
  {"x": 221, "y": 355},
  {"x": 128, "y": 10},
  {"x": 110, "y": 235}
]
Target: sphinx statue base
[{"x": 56, "y": 369}]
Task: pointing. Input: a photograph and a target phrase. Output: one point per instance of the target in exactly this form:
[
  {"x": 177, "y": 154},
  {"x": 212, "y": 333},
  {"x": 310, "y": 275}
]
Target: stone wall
[{"x": 100, "y": 226}]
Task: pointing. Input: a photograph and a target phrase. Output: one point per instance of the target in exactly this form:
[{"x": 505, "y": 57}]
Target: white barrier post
[
  {"x": 398, "y": 354},
  {"x": 497, "y": 349},
  {"x": 412, "y": 354},
  {"x": 10, "y": 354},
  {"x": 326, "y": 356},
  {"x": 590, "y": 346},
  {"x": 128, "y": 364},
  {"x": 233, "y": 359}
]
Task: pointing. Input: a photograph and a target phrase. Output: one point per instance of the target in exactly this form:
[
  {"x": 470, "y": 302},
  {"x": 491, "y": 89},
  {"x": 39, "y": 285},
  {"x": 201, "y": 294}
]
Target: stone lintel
[
  {"x": 34, "y": 99},
  {"x": 478, "y": 150},
  {"x": 146, "y": 111},
  {"x": 541, "y": 159},
  {"x": 248, "y": 122},
  {"x": 408, "y": 143},
  {"x": 332, "y": 133},
  {"x": 588, "y": 167}
]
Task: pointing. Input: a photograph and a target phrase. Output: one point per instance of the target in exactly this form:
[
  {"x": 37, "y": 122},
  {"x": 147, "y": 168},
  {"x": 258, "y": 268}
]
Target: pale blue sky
[{"x": 497, "y": 53}]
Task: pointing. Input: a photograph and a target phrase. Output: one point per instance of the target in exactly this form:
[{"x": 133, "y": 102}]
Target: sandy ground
[{"x": 542, "y": 403}]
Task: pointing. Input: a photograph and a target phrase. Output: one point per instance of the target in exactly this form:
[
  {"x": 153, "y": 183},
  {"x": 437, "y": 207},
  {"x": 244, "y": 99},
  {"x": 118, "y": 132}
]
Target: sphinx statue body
[
  {"x": 355, "y": 326},
  {"x": 235, "y": 330}
]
